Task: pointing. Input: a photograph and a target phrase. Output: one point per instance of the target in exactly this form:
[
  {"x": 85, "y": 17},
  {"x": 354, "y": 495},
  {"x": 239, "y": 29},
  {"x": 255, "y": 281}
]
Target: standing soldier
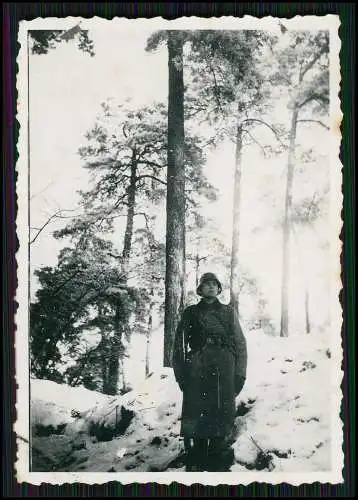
[{"x": 209, "y": 362}]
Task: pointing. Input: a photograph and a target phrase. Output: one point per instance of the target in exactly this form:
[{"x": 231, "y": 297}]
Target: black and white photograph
[{"x": 179, "y": 211}]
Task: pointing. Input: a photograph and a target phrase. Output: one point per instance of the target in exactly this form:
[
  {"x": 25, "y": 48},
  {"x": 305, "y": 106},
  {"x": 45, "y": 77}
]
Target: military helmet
[{"x": 208, "y": 277}]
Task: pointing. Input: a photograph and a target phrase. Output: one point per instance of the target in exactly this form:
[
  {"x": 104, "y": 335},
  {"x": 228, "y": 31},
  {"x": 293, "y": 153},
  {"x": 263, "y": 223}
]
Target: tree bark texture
[
  {"x": 175, "y": 235},
  {"x": 286, "y": 229},
  {"x": 235, "y": 275},
  {"x": 305, "y": 281},
  {"x": 130, "y": 218},
  {"x": 121, "y": 312},
  {"x": 115, "y": 353},
  {"x": 104, "y": 372},
  {"x": 149, "y": 332},
  {"x": 197, "y": 270},
  {"x": 123, "y": 375}
]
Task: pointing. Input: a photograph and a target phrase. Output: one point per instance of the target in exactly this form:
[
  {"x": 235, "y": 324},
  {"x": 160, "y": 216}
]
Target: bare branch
[
  {"x": 150, "y": 164},
  {"x": 53, "y": 216},
  {"x": 124, "y": 131},
  {"x": 313, "y": 97},
  {"x": 194, "y": 112},
  {"x": 311, "y": 63},
  {"x": 256, "y": 142},
  {"x": 145, "y": 217},
  {"x": 144, "y": 176},
  {"x": 196, "y": 258},
  {"x": 64, "y": 217},
  {"x": 42, "y": 190},
  {"x": 314, "y": 121},
  {"x": 153, "y": 147},
  {"x": 262, "y": 122}
]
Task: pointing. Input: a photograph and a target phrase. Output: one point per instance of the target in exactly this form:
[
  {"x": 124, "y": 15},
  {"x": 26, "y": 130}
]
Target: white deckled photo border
[{"x": 22, "y": 424}]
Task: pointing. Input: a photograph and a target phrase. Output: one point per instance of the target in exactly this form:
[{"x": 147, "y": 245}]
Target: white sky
[{"x": 66, "y": 89}]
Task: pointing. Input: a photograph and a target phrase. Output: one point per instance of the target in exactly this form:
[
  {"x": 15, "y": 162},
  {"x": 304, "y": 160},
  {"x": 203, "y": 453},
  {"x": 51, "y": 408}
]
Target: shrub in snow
[
  {"x": 47, "y": 430},
  {"x": 106, "y": 427}
]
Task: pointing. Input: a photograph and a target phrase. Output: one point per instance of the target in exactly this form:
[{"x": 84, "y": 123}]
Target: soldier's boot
[
  {"x": 201, "y": 453},
  {"x": 189, "y": 455},
  {"x": 220, "y": 455},
  {"x": 196, "y": 454}
]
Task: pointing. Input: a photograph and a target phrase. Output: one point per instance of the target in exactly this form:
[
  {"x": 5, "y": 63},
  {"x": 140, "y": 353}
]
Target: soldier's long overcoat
[{"x": 209, "y": 362}]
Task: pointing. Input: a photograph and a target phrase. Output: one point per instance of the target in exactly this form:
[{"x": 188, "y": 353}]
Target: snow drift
[{"x": 283, "y": 417}]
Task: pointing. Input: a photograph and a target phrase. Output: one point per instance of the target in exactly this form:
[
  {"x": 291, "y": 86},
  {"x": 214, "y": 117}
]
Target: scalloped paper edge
[{"x": 21, "y": 425}]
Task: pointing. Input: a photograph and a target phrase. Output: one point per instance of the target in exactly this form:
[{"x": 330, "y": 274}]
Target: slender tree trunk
[
  {"x": 197, "y": 269},
  {"x": 104, "y": 373},
  {"x": 123, "y": 375},
  {"x": 235, "y": 276},
  {"x": 175, "y": 237},
  {"x": 121, "y": 312},
  {"x": 307, "y": 297},
  {"x": 149, "y": 333},
  {"x": 305, "y": 284},
  {"x": 286, "y": 229},
  {"x": 307, "y": 311}
]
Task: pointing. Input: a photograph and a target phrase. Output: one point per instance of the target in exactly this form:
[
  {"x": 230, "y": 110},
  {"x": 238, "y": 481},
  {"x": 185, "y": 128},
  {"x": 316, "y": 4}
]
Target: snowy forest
[{"x": 221, "y": 165}]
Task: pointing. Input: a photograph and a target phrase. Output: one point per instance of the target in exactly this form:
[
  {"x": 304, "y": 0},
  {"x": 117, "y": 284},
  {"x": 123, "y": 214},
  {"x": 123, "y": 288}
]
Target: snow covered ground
[{"x": 283, "y": 416}]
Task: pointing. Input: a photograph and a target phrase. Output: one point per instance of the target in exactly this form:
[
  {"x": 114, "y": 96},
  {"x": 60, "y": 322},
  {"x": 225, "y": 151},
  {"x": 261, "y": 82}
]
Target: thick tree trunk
[
  {"x": 130, "y": 218},
  {"x": 121, "y": 312},
  {"x": 104, "y": 372},
  {"x": 115, "y": 353},
  {"x": 286, "y": 229},
  {"x": 235, "y": 275},
  {"x": 123, "y": 375},
  {"x": 175, "y": 237}
]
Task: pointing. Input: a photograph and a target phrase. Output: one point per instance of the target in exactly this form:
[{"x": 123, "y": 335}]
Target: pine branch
[
  {"x": 107, "y": 215},
  {"x": 216, "y": 93},
  {"x": 65, "y": 282},
  {"x": 83, "y": 360}
]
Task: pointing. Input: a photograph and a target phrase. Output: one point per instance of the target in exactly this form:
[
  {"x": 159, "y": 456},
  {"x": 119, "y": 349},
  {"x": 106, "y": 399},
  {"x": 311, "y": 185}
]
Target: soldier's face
[{"x": 209, "y": 289}]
